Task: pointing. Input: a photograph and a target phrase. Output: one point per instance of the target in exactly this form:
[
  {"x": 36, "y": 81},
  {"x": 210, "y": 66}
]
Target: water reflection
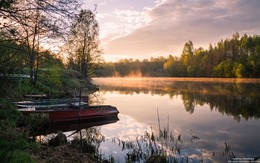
[
  {"x": 77, "y": 125},
  {"x": 211, "y": 110},
  {"x": 238, "y": 99},
  {"x": 177, "y": 118}
]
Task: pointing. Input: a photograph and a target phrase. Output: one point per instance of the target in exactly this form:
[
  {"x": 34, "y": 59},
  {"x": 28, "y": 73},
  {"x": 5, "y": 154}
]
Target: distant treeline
[{"x": 234, "y": 57}]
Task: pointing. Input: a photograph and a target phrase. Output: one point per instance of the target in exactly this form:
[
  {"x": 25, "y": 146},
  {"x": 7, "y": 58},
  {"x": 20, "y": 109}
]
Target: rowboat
[
  {"x": 47, "y": 106},
  {"x": 85, "y": 113},
  {"x": 61, "y": 114},
  {"x": 41, "y": 96},
  {"x": 51, "y": 103}
]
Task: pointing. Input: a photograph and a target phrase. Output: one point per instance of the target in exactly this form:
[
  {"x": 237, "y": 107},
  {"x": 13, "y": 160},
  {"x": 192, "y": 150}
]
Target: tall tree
[
  {"x": 83, "y": 43},
  {"x": 187, "y": 57},
  {"x": 187, "y": 53}
]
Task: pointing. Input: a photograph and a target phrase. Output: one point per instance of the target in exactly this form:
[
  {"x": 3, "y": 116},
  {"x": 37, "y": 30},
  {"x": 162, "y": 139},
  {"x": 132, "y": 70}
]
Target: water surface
[{"x": 222, "y": 115}]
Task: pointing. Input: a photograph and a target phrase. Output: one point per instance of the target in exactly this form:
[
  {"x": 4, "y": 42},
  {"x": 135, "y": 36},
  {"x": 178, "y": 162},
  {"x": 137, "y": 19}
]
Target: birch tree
[{"x": 84, "y": 50}]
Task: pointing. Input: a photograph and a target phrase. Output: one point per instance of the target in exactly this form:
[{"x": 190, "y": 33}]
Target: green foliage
[
  {"x": 12, "y": 58},
  {"x": 15, "y": 150},
  {"x": 52, "y": 75},
  {"x": 238, "y": 70},
  {"x": 49, "y": 60},
  {"x": 8, "y": 112},
  {"x": 174, "y": 67},
  {"x": 187, "y": 53},
  {"x": 20, "y": 156},
  {"x": 13, "y": 143},
  {"x": 168, "y": 65},
  {"x": 224, "y": 69}
]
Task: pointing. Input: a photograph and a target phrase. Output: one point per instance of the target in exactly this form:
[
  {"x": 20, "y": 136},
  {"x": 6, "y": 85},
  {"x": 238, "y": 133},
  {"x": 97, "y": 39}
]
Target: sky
[{"x": 141, "y": 29}]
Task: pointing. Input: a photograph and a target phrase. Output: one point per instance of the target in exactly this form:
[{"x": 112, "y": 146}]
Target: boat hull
[{"x": 82, "y": 114}]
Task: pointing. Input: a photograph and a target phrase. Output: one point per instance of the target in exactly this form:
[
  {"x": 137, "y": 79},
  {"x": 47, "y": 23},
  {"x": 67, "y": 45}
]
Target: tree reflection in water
[
  {"x": 237, "y": 100},
  {"x": 240, "y": 100}
]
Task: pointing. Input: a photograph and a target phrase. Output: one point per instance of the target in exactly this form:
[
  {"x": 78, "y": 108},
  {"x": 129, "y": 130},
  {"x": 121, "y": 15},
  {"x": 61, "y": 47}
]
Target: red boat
[
  {"x": 76, "y": 114},
  {"x": 81, "y": 114}
]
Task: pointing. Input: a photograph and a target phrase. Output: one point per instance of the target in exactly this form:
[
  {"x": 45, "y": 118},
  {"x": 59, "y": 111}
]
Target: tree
[
  {"x": 187, "y": 57},
  {"x": 12, "y": 58},
  {"x": 174, "y": 67},
  {"x": 83, "y": 44},
  {"x": 235, "y": 46},
  {"x": 32, "y": 22},
  {"x": 168, "y": 65},
  {"x": 187, "y": 53}
]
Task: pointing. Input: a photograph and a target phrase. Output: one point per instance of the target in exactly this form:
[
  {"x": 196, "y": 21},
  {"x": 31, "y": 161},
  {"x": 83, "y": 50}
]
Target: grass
[
  {"x": 161, "y": 146},
  {"x": 14, "y": 145},
  {"x": 165, "y": 145}
]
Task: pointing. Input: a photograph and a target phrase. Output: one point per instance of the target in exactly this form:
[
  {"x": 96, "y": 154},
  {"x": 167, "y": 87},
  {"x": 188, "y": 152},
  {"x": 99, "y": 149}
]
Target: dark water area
[{"x": 209, "y": 120}]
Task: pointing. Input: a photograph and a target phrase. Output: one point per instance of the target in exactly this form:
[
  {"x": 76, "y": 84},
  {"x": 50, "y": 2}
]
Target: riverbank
[{"x": 15, "y": 142}]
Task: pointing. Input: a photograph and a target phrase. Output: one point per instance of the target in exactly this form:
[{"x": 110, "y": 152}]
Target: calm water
[{"x": 222, "y": 116}]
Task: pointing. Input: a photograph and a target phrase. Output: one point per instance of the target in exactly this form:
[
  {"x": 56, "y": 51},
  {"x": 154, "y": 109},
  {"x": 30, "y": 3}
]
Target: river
[{"x": 199, "y": 119}]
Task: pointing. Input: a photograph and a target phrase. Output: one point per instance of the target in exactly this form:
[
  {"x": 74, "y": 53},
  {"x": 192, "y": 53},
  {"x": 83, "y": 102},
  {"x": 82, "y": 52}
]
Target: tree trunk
[{"x": 32, "y": 68}]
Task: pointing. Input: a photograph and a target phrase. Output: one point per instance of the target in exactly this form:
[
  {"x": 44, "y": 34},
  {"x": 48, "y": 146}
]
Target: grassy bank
[{"x": 15, "y": 144}]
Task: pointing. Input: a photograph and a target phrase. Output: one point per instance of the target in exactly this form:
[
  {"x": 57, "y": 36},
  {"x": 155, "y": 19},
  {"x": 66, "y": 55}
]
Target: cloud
[
  {"x": 170, "y": 23},
  {"x": 130, "y": 132},
  {"x": 120, "y": 23}
]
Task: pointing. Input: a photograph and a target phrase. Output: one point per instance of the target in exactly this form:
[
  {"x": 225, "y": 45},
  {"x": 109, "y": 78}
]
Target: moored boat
[
  {"x": 43, "y": 104},
  {"x": 40, "y": 96},
  {"x": 87, "y": 112},
  {"x": 61, "y": 114}
]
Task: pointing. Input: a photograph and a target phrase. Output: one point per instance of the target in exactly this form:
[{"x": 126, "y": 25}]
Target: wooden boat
[
  {"x": 84, "y": 113},
  {"x": 40, "y": 104},
  {"x": 75, "y": 114},
  {"x": 49, "y": 106},
  {"x": 40, "y": 96}
]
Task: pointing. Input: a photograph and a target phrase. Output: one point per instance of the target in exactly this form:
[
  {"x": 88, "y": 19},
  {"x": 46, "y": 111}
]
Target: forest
[{"x": 235, "y": 57}]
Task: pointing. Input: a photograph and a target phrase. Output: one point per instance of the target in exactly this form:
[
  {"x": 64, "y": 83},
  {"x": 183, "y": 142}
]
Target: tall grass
[{"x": 162, "y": 144}]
